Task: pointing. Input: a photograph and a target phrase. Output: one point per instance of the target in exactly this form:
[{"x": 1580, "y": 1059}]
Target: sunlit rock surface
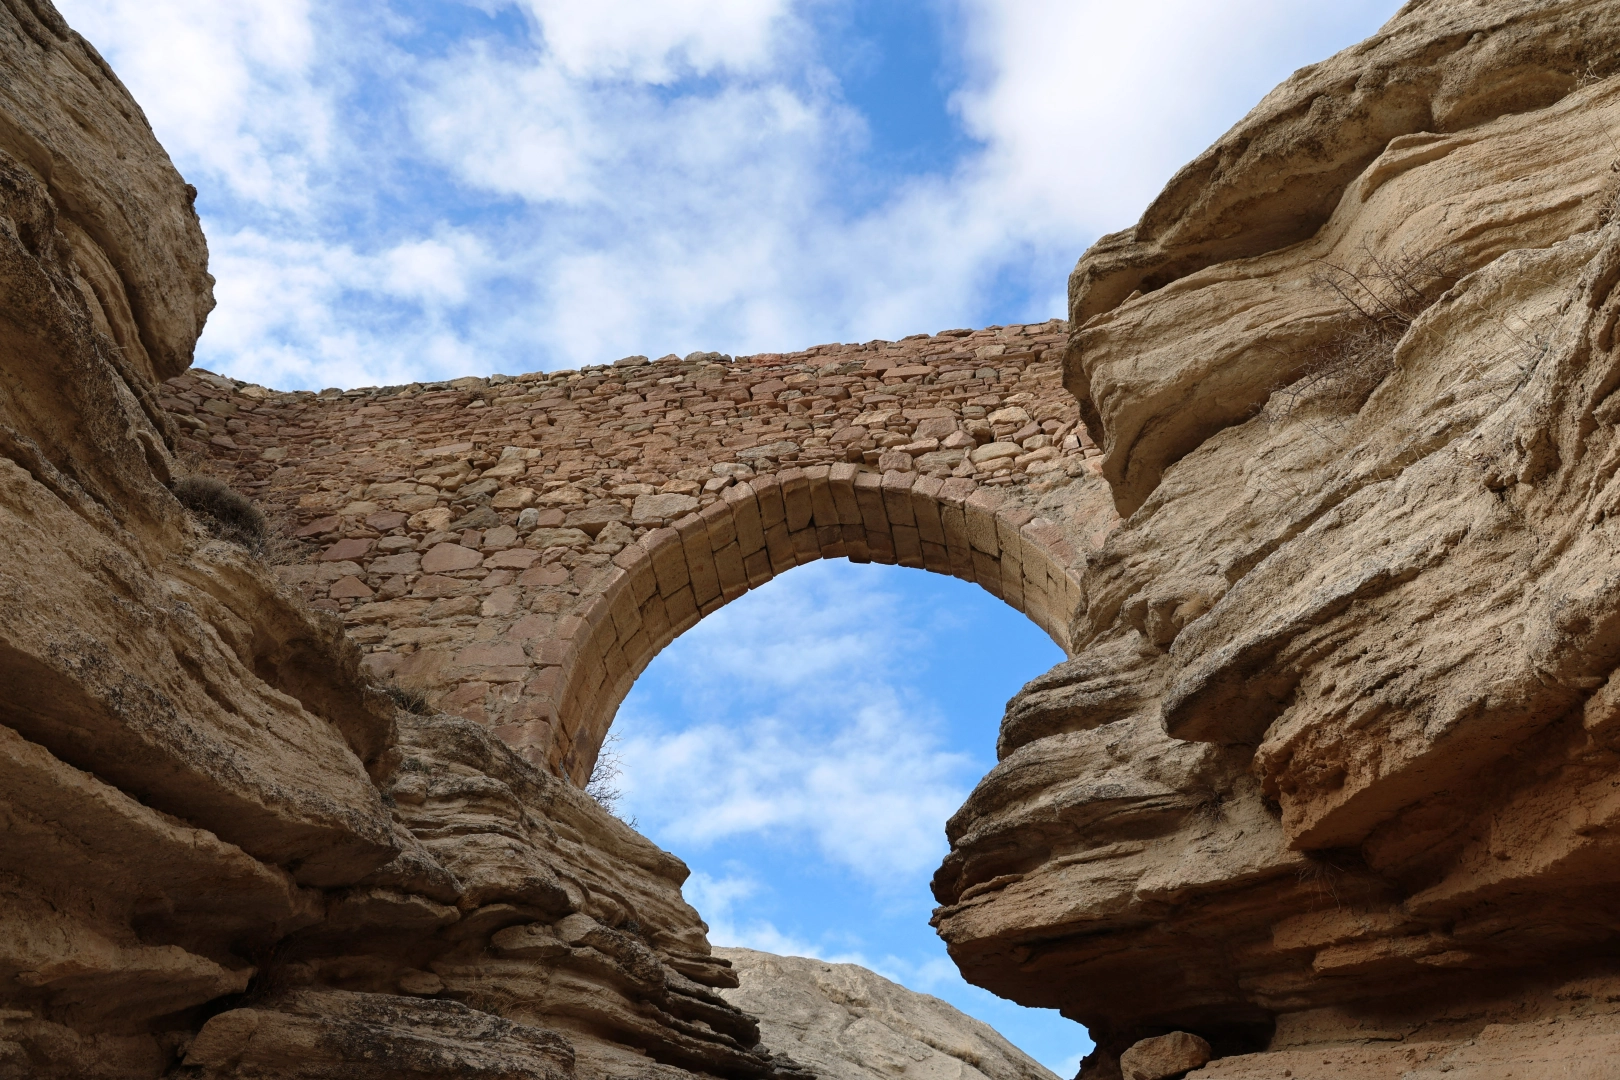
[
  {"x": 1332, "y": 773},
  {"x": 225, "y": 852},
  {"x": 844, "y": 1022},
  {"x": 1327, "y": 785}
]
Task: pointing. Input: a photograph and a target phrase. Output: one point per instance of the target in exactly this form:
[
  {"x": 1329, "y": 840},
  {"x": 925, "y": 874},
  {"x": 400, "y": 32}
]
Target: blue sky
[
  {"x": 404, "y": 190},
  {"x": 801, "y": 749}
]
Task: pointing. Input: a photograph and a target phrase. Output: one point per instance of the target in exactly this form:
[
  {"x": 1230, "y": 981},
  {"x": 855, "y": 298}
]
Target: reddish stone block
[
  {"x": 347, "y": 551},
  {"x": 492, "y": 653},
  {"x": 446, "y": 558}
]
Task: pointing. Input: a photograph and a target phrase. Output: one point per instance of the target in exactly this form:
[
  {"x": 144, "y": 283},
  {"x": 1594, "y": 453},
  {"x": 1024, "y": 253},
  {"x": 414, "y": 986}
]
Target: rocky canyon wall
[
  {"x": 1330, "y": 782},
  {"x": 224, "y": 852},
  {"x": 1314, "y": 487}
]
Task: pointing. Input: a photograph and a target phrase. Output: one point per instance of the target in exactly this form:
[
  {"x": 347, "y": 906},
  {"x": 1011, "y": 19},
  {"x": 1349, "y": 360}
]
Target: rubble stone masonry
[{"x": 520, "y": 547}]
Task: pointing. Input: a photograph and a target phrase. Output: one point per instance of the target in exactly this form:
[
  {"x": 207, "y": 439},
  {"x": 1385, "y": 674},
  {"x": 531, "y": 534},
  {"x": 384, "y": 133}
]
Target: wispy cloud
[
  {"x": 441, "y": 188},
  {"x": 812, "y": 737}
]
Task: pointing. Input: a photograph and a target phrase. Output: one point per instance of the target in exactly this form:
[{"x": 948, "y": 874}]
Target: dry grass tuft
[
  {"x": 227, "y": 513},
  {"x": 409, "y": 698}
]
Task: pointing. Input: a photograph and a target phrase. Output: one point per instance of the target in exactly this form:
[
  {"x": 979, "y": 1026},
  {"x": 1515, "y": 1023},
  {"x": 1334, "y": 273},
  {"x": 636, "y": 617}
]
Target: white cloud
[
  {"x": 811, "y": 738},
  {"x": 871, "y": 794},
  {"x": 657, "y": 41},
  {"x": 229, "y": 87},
  {"x": 656, "y": 175}
]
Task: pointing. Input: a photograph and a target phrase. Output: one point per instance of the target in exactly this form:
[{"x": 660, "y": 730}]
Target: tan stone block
[
  {"x": 448, "y": 557},
  {"x": 625, "y": 612},
  {"x": 669, "y": 561},
  {"x": 768, "y": 493},
  {"x": 797, "y": 506},
  {"x": 881, "y": 547},
  {"x": 348, "y": 588},
  {"x": 1012, "y": 580},
  {"x": 936, "y": 558},
  {"x": 516, "y": 498},
  {"x": 683, "y": 612},
  {"x": 721, "y": 526},
  {"x": 638, "y": 650},
  {"x": 869, "y": 499},
  {"x": 987, "y": 572},
  {"x": 746, "y": 516},
  {"x": 728, "y": 563},
  {"x": 545, "y": 576},
  {"x": 513, "y": 559},
  {"x": 616, "y": 665},
  {"x": 492, "y": 654},
  {"x": 953, "y": 522},
  {"x": 655, "y": 622},
  {"x": 1009, "y": 523},
  {"x": 806, "y": 546},
  {"x": 699, "y": 560},
  {"x": 896, "y": 488},
  {"x": 908, "y": 547},
  {"x": 758, "y": 568},
  {"x": 779, "y": 546},
  {"x": 980, "y": 515},
  {"x": 841, "y": 482},
  {"x": 925, "y": 506},
  {"x": 824, "y": 511}
]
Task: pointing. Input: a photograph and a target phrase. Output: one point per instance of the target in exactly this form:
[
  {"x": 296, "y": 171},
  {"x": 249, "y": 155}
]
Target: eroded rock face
[
  {"x": 1334, "y": 762},
  {"x": 844, "y": 1022},
  {"x": 225, "y": 852}
]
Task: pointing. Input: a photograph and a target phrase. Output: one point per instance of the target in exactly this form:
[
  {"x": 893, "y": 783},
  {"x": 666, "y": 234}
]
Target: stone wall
[{"x": 521, "y": 547}]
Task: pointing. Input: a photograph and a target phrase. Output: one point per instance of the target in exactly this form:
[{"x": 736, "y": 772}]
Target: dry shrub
[
  {"x": 1609, "y": 201},
  {"x": 409, "y": 698},
  {"x": 1385, "y": 295},
  {"x": 227, "y": 513},
  {"x": 603, "y": 786}
]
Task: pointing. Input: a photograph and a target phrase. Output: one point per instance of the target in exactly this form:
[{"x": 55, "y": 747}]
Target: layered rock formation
[
  {"x": 225, "y": 852},
  {"x": 847, "y": 1023},
  {"x": 1332, "y": 772},
  {"x": 1327, "y": 785}
]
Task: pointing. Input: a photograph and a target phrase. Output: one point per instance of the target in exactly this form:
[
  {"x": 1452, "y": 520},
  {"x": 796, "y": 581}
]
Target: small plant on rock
[
  {"x": 1385, "y": 295},
  {"x": 409, "y": 698},
  {"x": 602, "y": 785},
  {"x": 227, "y": 513}
]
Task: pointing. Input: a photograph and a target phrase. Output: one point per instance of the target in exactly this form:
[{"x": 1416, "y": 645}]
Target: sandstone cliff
[
  {"x": 1331, "y": 773},
  {"x": 225, "y": 852},
  {"x": 1324, "y": 522},
  {"x": 847, "y": 1023}
]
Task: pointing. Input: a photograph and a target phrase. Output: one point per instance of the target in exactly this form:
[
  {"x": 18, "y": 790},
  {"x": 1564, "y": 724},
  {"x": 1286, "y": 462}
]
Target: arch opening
[
  {"x": 760, "y": 529},
  {"x": 801, "y": 750}
]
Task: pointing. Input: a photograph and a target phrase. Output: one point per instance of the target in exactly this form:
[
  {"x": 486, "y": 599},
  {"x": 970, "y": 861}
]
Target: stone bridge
[{"x": 520, "y": 548}]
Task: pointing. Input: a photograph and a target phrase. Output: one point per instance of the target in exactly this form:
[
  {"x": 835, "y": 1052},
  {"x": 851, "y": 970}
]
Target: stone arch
[
  {"x": 507, "y": 546},
  {"x": 662, "y": 586}
]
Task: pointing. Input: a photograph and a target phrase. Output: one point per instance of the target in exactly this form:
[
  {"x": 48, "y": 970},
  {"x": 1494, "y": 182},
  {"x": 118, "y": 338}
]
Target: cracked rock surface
[
  {"x": 847, "y": 1023},
  {"x": 1330, "y": 781}
]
